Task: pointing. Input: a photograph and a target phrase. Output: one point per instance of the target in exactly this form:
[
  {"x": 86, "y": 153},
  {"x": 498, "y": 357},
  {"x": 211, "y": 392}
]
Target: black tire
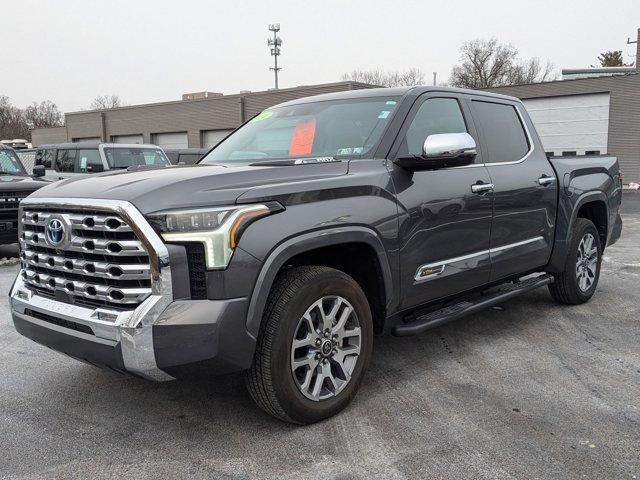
[
  {"x": 566, "y": 289},
  {"x": 270, "y": 380}
]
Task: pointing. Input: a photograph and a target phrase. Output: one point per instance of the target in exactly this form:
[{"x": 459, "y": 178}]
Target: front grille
[
  {"x": 11, "y": 200},
  {"x": 103, "y": 263},
  {"x": 197, "y": 270}
]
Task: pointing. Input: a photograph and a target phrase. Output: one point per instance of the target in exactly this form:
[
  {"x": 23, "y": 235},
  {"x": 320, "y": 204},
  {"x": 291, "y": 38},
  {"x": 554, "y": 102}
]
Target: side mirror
[
  {"x": 38, "y": 171},
  {"x": 441, "y": 151}
]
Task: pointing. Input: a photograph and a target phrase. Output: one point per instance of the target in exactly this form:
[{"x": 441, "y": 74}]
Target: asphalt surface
[{"x": 529, "y": 390}]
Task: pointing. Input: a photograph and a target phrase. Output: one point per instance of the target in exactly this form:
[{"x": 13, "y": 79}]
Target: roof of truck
[
  {"x": 392, "y": 92},
  {"x": 76, "y": 145}
]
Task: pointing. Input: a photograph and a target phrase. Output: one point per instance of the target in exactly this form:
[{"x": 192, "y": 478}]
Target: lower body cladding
[{"x": 186, "y": 337}]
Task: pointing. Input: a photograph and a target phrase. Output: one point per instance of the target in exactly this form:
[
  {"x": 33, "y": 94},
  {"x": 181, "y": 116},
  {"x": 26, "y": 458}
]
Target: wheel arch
[
  {"x": 591, "y": 205},
  {"x": 305, "y": 243}
]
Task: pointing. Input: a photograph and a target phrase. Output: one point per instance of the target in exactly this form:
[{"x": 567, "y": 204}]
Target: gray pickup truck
[{"x": 318, "y": 223}]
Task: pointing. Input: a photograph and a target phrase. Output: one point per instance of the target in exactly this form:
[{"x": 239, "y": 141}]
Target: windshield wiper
[{"x": 3, "y": 172}]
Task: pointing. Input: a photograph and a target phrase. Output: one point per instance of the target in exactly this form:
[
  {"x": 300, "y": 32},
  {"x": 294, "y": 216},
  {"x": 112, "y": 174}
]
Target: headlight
[{"x": 218, "y": 229}]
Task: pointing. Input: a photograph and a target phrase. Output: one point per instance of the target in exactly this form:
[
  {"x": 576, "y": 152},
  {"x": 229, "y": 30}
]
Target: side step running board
[{"x": 458, "y": 310}]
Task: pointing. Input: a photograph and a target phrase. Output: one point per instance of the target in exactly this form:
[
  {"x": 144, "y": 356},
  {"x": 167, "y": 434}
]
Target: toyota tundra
[{"x": 318, "y": 223}]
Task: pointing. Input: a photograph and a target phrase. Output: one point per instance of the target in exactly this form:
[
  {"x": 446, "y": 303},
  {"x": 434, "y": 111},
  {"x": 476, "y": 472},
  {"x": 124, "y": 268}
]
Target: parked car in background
[
  {"x": 16, "y": 143},
  {"x": 69, "y": 159},
  {"x": 15, "y": 184},
  {"x": 185, "y": 156},
  {"x": 317, "y": 223}
]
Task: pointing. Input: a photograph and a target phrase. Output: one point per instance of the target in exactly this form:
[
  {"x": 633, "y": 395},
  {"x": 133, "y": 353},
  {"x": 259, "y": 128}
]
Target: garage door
[
  {"x": 210, "y": 138},
  {"x": 573, "y": 123},
  {"x": 86, "y": 139},
  {"x": 127, "y": 139},
  {"x": 171, "y": 140}
]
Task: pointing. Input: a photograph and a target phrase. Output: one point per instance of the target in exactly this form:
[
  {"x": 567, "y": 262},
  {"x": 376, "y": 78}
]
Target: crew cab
[
  {"x": 318, "y": 223},
  {"x": 70, "y": 159},
  {"x": 15, "y": 185}
]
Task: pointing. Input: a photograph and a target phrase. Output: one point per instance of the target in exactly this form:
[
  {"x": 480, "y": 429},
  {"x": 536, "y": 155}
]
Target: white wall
[
  {"x": 171, "y": 140},
  {"x": 210, "y": 138},
  {"x": 127, "y": 139},
  {"x": 571, "y": 123}
]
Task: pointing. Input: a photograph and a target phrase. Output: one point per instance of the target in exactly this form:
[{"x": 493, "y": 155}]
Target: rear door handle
[
  {"x": 482, "y": 187},
  {"x": 545, "y": 180}
]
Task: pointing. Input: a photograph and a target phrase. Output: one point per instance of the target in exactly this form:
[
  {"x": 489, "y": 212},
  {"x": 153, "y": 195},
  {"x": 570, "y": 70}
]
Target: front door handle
[
  {"x": 545, "y": 180},
  {"x": 482, "y": 187}
]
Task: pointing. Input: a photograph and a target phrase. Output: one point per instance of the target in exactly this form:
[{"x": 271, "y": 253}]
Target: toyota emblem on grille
[{"x": 55, "y": 232}]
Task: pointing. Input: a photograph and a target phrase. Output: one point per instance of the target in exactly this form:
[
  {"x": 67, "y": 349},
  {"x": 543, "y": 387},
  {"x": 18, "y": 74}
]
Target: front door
[
  {"x": 444, "y": 226},
  {"x": 525, "y": 188}
]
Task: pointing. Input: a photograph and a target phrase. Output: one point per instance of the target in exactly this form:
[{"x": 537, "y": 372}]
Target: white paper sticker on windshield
[{"x": 384, "y": 114}]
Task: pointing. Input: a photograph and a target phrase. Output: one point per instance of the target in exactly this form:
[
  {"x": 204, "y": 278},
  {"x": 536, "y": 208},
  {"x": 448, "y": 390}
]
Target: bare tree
[
  {"x": 487, "y": 63},
  {"x": 410, "y": 77},
  {"x": 12, "y": 121},
  {"x": 106, "y": 102},
  {"x": 612, "y": 59},
  {"x": 531, "y": 71},
  {"x": 17, "y": 123},
  {"x": 43, "y": 114}
]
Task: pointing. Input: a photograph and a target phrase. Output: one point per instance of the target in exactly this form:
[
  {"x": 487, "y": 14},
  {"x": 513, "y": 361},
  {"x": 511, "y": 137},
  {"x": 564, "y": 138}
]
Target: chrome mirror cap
[{"x": 449, "y": 145}]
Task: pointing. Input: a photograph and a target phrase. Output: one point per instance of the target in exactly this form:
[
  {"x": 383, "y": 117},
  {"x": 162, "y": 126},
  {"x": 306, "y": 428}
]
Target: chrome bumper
[{"x": 131, "y": 329}]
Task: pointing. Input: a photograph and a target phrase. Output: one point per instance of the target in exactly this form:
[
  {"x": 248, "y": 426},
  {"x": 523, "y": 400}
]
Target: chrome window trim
[
  {"x": 443, "y": 263},
  {"x": 132, "y": 328},
  {"x": 529, "y": 140}
]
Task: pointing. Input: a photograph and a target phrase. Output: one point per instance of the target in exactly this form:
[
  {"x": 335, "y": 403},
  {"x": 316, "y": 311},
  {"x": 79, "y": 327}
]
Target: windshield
[
  {"x": 135, "y": 157},
  {"x": 9, "y": 162},
  {"x": 335, "y": 128}
]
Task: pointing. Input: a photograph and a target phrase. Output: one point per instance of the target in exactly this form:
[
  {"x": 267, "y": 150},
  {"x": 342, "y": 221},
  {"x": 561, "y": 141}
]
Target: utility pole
[
  {"x": 275, "y": 44},
  {"x": 435, "y": 78},
  {"x": 637, "y": 43}
]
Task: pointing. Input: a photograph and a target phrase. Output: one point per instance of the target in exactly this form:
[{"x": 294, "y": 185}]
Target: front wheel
[
  {"x": 314, "y": 345},
  {"x": 578, "y": 281}
]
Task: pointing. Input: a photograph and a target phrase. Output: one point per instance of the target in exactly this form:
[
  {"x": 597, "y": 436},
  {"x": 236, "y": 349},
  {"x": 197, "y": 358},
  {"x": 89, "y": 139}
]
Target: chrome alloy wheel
[
  {"x": 586, "y": 262},
  {"x": 325, "y": 348}
]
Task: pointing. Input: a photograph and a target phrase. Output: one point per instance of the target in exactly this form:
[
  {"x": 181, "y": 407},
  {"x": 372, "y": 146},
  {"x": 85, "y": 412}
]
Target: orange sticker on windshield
[{"x": 302, "y": 140}]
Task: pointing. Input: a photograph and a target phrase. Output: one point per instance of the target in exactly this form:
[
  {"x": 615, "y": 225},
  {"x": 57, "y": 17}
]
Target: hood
[
  {"x": 20, "y": 183},
  {"x": 185, "y": 186}
]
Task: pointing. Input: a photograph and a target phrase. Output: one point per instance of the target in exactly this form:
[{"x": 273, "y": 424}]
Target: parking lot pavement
[{"x": 529, "y": 390}]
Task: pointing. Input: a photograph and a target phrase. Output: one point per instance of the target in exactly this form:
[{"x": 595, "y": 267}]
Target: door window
[
  {"x": 65, "y": 161},
  {"x": 435, "y": 116},
  {"x": 45, "y": 157},
  {"x": 89, "y": 161},
  {"x": 503, "y": 132}
]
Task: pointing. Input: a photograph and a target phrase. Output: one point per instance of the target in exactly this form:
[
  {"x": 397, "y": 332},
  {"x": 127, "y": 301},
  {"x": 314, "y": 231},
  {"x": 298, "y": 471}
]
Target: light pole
[{"x": 275, "y": 44}]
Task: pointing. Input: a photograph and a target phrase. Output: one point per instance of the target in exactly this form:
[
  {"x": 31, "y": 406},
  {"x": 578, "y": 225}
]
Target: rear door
[
  {"x": 444, "y": 226},
  {"x": 525, "y": 187},
  {"x": 65, "y": 162}
]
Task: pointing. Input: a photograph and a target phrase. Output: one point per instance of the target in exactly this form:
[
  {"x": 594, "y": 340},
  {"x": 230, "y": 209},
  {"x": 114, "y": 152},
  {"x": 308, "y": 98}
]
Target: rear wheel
[
  {"x": 578, "y": 281},
  {"x": 314, "y": 345}
]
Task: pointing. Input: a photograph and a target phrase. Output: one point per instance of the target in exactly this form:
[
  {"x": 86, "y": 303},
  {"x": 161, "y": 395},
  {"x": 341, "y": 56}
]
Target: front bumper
[
  {"x": 8, "y": 233},
  {"x": 188, "y": 336}
]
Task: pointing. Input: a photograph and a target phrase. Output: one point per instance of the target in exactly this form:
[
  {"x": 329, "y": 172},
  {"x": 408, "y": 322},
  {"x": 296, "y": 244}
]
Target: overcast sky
[{"x": 69, "y": 51}]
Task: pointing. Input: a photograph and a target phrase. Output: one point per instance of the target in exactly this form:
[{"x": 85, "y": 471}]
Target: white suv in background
[{"x": 69, "y": 159}]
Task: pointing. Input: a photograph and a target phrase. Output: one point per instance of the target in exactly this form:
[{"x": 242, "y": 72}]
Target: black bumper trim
[
  {"x": 98, "y": 354},
  {"x": 209, "y": 339}
]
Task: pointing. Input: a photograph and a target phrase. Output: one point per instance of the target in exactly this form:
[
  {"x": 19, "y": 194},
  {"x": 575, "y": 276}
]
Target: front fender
[{"x": 310, "y": 241}]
